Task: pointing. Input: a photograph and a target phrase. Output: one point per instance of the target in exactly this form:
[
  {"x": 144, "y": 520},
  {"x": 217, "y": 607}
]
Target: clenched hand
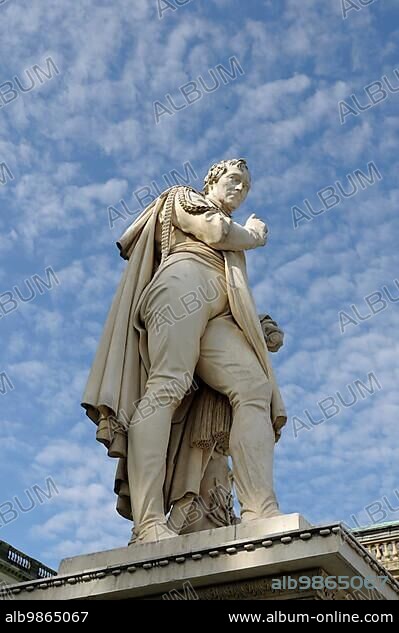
[{"x": 258, "y": 228}]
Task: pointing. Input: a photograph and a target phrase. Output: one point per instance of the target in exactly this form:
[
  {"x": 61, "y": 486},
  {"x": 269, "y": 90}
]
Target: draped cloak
[{"x": 118, "y": 375}]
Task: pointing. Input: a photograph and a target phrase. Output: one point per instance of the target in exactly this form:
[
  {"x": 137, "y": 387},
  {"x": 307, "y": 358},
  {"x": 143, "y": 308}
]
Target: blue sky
[{"x": 85, "y": 138}]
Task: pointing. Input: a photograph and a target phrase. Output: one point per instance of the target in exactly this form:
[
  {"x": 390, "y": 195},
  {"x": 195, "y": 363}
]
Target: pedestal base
[{"x": 273, "y": 559}]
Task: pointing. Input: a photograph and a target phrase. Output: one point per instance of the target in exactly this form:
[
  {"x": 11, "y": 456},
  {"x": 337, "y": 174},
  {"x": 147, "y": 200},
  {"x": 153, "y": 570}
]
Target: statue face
[{"x": 231, "y": 189}]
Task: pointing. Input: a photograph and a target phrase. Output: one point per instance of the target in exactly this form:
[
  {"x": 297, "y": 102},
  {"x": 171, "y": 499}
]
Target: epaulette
[{"x": 188, "y": 204}]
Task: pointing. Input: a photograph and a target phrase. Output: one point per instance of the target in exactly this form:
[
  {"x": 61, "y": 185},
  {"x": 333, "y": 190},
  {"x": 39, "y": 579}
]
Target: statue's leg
[
  {"x": 229, "y": 364},
  {"x": 173, "y": 348}
]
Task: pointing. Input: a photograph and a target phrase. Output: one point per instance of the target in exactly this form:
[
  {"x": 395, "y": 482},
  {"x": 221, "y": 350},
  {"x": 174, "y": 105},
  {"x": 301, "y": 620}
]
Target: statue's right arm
[
  {"x": 193, "y": 214},
  {"x": 242, "y": 238}
]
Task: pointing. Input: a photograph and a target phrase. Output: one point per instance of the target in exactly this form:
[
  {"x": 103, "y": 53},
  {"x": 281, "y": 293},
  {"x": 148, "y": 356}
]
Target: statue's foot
[{"x": 152, "y": 534}]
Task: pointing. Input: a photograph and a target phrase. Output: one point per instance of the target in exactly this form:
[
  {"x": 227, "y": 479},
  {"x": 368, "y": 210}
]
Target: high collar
[{"x": 218, "y": 204}]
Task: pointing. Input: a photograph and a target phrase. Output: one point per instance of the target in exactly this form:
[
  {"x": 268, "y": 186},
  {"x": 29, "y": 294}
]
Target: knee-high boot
[
  {"x": 148, "y": 439},
  {"x": 251, "y": 449}
]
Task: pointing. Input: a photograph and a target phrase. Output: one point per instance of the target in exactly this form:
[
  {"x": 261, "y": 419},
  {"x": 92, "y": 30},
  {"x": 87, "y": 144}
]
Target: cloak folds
[{"x": 118, "y": 374}]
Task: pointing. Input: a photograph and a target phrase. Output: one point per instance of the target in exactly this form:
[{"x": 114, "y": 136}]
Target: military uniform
[{"x": 191, "y": 335}]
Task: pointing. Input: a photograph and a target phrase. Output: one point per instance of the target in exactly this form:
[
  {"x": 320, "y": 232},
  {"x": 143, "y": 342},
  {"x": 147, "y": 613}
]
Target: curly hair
[{"x": 218, "y": 169}]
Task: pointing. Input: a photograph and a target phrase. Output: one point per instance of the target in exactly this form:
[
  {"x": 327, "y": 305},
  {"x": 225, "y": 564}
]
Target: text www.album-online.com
[{"x": 336, "y": 617}]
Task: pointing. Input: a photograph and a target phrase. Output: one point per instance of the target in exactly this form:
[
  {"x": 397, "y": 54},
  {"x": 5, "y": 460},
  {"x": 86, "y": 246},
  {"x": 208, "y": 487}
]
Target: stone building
[
  {"x": 382, "y": 541},
  {"x": 15, "y": 566}
]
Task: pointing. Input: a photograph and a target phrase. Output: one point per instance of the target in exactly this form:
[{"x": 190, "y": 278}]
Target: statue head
[{"x": 228, "y": 183}]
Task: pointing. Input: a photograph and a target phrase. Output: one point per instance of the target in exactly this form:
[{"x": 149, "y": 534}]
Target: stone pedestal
[{"x": 272, "y": 559}]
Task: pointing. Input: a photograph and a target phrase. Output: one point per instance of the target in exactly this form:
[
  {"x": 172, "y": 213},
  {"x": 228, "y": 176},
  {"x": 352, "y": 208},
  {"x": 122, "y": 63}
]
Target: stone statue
[{"x": 182, "y": 378}]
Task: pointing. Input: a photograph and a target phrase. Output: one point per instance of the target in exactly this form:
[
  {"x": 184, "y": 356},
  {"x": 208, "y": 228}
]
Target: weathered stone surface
[{"x": 252, "y": 571}]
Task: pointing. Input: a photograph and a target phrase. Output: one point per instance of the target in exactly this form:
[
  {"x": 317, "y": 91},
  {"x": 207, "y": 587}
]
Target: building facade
[
  {"x": 15, "y": 566},
  {"x": 382, "y": 541}
]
